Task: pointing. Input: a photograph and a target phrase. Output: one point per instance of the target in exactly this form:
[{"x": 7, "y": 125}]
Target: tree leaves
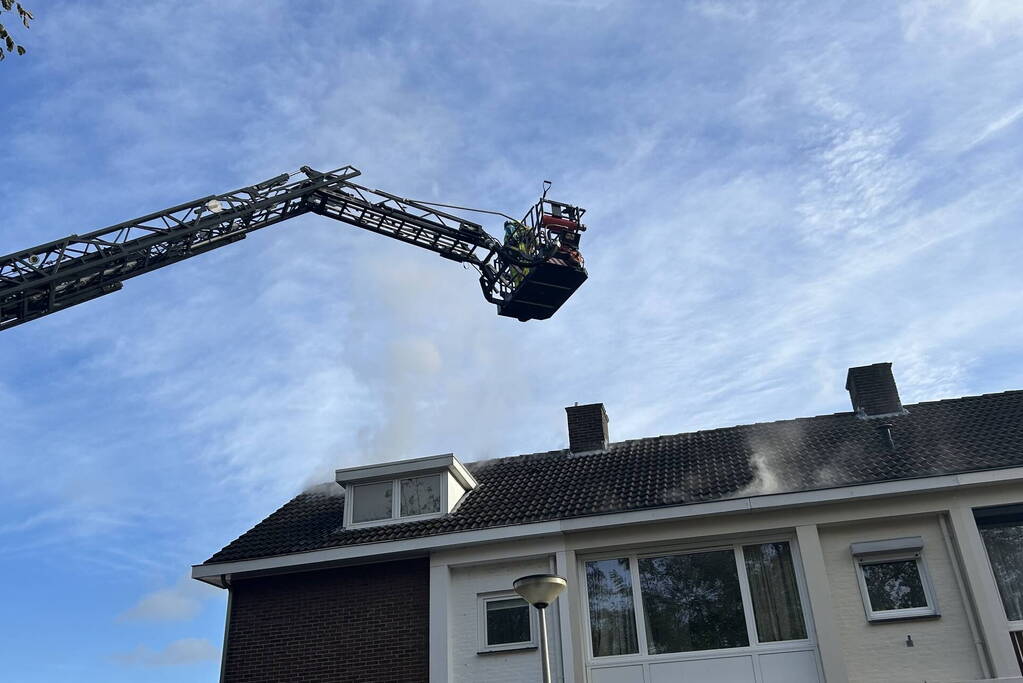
[{"x": 5, "y": 36}]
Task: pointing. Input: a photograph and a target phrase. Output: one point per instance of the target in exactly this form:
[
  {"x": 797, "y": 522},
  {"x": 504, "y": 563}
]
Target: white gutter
[{"x": 212, "y": 573}]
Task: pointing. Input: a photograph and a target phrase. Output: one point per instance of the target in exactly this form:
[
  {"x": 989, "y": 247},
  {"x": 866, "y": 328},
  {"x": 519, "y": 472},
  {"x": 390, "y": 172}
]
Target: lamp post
[{"x": 540, "y": 590}]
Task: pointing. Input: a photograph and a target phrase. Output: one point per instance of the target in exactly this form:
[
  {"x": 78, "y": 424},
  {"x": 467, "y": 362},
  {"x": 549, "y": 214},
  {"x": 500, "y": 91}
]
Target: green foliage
[{"x": 5, "y": 36}]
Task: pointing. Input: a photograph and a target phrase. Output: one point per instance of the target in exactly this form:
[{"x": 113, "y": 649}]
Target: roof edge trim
[{"x": 399, "y": 468}]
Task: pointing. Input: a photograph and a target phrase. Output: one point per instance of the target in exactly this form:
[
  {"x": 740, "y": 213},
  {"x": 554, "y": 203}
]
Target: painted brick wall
[
  {"x": 877, "y": 652},
  {"x": 367, "y": 624},
  {"x": 520, "y": 666}
]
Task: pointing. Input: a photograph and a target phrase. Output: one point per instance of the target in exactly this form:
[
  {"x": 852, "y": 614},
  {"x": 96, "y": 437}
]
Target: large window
[
  {"x": 1002, "y": 531},
  {"x": 694, "y": 600}
]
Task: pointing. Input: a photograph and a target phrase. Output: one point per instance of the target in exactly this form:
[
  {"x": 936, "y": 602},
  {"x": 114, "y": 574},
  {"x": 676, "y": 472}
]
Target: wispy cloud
[
  {"x": 177, "y": 653},
  {"x": 180, "y": 602},
  {"x": 776, "y": 191},
  {"x": 985, "y": 21},
  {"x": 997, "y": 125}
]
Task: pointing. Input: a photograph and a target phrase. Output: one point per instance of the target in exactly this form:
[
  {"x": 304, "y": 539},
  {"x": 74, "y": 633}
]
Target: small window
[
  {"x": 396, "y": 500},
  {"x": 420, "y": 495},
  {"x": 371, "y": 502},
  {"x": 506, "y": 623},
  {"x": 894, "y": 583}
]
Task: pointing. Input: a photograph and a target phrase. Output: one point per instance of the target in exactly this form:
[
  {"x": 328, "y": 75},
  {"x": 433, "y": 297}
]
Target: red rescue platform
[{"x": 538, "y": 291}]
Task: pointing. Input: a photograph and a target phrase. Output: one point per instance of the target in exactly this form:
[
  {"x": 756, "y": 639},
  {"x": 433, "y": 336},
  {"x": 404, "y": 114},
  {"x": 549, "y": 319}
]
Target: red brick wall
[{"x": 367, "y": 624}]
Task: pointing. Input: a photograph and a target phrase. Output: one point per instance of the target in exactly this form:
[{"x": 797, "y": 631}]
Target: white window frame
[
  {"x": 929, "y": 610},
  {"x": 755, "y": 646},
  {"x": 481, "y": 621},
  {"x": 1014, "y": 626},
  {"x": 395, "y": 517}
]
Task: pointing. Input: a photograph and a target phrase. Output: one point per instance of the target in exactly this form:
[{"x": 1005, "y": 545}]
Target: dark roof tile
[{"x": 937, "y": 437}]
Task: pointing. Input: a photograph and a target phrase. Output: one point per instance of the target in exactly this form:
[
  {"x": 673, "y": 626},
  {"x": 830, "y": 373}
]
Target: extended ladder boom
[{"x": 50, "y": 277}]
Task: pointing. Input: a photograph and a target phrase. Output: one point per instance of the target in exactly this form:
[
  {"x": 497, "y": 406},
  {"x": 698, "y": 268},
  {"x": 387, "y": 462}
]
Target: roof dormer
[{"x": 405, "y": 491}]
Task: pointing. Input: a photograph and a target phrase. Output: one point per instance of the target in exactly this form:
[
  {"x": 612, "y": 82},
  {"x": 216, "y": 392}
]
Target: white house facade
[{"x": 884, "y": 544}]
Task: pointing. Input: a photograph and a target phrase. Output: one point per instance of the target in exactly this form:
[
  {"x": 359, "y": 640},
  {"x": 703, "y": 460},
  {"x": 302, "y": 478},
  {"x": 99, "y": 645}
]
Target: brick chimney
[
  {"x": 873, "y": 391},
  {"x": 587, "y": 428}
]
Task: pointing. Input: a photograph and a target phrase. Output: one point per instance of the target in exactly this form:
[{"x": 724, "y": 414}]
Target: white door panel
[
  {"x": 789, "y": 667},
  {"x": 718, "y": 670},
  {"x": 618, "y": 674}
]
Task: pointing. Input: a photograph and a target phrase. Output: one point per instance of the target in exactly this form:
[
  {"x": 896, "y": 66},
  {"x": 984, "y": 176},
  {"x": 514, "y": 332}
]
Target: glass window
[
  {"x": 371, "y": 502},
  {"x": 894, "y": 585},
  {"x": 612, "y": 614},
  {"x": 695, "y": 601},
  {"x": 420, "y": 495},
  {"x": 692, "y": 602},
  {"x": 1002, "y": 531},
  {"x": 507, "y": 622},
  {"x": 772, "y": 584}
]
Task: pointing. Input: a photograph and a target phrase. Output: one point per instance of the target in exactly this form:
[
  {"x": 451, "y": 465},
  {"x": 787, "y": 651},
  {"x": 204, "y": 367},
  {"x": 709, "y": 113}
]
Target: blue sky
[{"x": 776, "y": 191}]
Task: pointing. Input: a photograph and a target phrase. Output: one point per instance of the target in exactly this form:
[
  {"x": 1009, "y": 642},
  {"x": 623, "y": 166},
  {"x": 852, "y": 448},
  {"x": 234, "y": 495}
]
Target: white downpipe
[{"x": 968, "y": 601}]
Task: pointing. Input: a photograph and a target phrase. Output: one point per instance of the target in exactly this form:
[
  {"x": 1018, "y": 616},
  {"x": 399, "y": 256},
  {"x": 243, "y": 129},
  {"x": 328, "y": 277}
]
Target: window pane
[
  {"x": 371, "y": 501},
  {"x": 1005, "y": 550},
  {"x": 894, "y": 585},
  {"x": 772, "y": 584},
  {"x": 692, "y": 602},
  {"x": 507, "y": 621},
  {"x": 420, "y": 495},
  {"x": 612, "y": 617}
]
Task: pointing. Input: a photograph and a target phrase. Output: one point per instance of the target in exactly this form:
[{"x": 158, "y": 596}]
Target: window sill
[
  {"x": 885, "y": 618},
  {"x": 503, "y": 650}
]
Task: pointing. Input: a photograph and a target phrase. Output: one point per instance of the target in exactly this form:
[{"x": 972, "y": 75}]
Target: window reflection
[
  {"x": 894, "y": 585},
  {"x": 508, "y": 621},
  {"x": 772, "y": 584},
  {"x": 1002, "y": 531},
  {"x": 420, "y": 495},
  {"x": 371, "y": 502},
  {"x": 612, "y": 619},
  {"x": 692, "y": 602}
]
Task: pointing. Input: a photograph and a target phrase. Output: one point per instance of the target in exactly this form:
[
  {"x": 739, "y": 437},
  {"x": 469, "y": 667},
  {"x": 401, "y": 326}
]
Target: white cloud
[
  {"x": 180, "y": 602},
  {"x": 732, "y": 10},
  {"x": 1002, "y": 122},
  {"x": 774, "y": 195},
  {"x": 986, "y": 21},
  {"x": 176, "y": 653}
]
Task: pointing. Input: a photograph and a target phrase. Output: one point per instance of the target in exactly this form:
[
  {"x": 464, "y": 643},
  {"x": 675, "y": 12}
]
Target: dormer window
[
  {"x": 420, "y": 495},
  {"x": 372, "y": 502},
  {"x": 403, "y": 491}
]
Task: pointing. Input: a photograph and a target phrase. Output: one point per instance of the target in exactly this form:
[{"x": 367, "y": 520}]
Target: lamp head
[{"x": 540, "y": 590}]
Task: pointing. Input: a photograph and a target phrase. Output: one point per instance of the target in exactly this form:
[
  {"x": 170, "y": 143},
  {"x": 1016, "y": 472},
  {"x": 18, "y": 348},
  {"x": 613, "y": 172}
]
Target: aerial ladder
[{"x": 528, "y": 275}]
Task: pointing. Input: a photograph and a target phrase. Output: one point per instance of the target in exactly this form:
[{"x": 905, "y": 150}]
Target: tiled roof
[{"x": 933, "y": 438}]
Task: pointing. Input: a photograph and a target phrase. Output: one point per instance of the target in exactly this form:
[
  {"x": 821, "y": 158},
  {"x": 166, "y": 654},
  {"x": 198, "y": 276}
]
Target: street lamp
[{"x": 540, "y": 590}]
